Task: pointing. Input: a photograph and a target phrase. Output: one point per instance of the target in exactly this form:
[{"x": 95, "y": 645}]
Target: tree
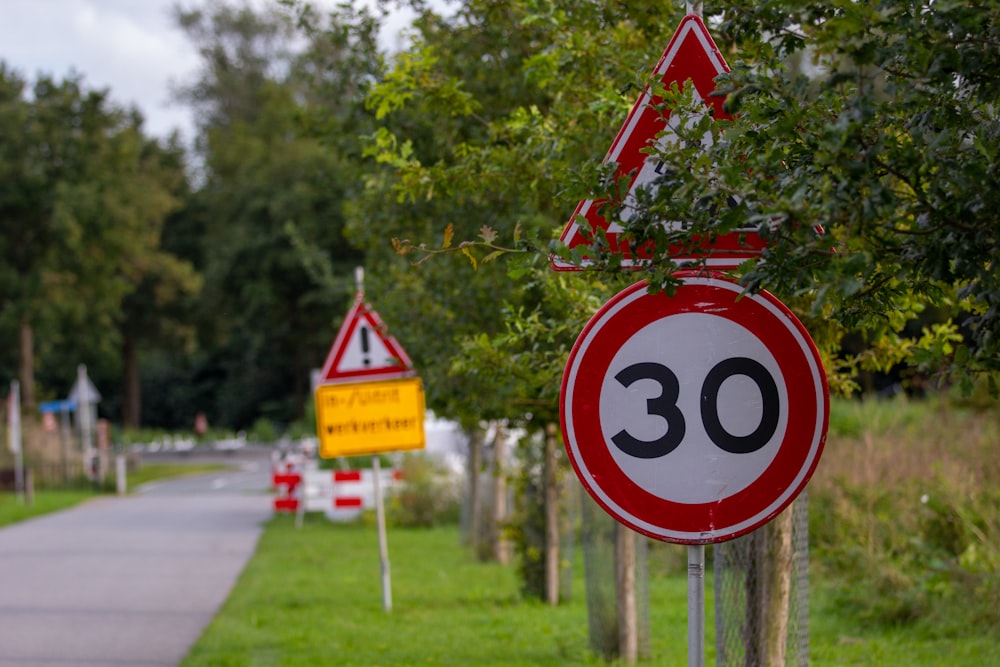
[
  {"x": 472, "y": 134},
  {"x": 83, "y": 200},
  {"x": 271, "y": 199},
  {"x": 154, "y": 313},
  {"x": 888, "y": 142}
]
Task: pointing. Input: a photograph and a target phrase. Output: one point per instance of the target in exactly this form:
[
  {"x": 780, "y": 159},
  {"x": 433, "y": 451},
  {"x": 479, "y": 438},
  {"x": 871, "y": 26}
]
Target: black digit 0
[
  {"x": 770, "y": 401},
  {"x": 664, "y": 405}
]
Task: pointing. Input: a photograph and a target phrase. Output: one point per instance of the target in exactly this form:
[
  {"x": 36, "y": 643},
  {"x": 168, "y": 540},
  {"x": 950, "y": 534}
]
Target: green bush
[
  {"x": 263, "y": 430},
  {"x": 428, "y": 496}
]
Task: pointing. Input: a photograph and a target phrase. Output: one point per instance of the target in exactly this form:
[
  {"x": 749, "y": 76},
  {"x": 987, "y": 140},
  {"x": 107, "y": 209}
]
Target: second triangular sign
[
  {"x": 691, "y": 56},
  {"x": 363, "y": 350}
]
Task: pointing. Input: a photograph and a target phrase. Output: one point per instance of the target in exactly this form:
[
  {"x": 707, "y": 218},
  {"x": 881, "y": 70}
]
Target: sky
[{"x": 131, "y": 47}]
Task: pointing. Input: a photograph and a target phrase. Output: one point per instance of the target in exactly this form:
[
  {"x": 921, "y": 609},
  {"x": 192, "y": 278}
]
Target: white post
[
  {"x": 383, "y": 549},
  {"x": 300, "y": 494},
  {"x": 696, "y": 605},
  {"x": 121, "y": 483},
  {"x": 83, "y": 415},
  {"x": 359, "y": 278},
  {"x": 14, "y": 433},
  {"x": 693, "y": 8}
]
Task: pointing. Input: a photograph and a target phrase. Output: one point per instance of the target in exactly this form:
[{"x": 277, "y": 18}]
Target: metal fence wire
[
  {"x": 751, "y": 593},
  {"x": 598, "y": 532}
]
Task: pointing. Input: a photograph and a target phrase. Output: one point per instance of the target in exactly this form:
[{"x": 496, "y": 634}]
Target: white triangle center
[
  {"x": 365, "y": 350},
  {"x": 652, "y": 166}
]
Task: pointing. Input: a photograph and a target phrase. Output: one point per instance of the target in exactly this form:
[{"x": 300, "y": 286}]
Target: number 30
[{"x": 665, "y": 405}]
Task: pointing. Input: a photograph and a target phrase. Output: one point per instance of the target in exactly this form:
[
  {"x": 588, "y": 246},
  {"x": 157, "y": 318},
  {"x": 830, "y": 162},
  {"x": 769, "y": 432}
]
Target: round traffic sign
[{"x": 694, "y": 418}]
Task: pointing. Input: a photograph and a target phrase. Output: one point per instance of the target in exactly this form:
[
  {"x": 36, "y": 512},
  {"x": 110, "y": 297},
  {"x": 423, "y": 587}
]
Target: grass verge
[
  {"x": 151, "y": 472},
  {"x": 13, "y": 509},
  {"x": 312, "y": 597},
  {"x": 45, "y": 501}
]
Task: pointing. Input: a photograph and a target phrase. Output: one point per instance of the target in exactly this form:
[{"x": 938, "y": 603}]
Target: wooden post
[
  {"x": 501, "y": 545},
  {"x": 777, "y": 588},
  {"x": 628, "y": 619},
  {"x": 473, "y": 464},
  {"x": 768, "y": 592},
  {"x": 551, "y": 486}
]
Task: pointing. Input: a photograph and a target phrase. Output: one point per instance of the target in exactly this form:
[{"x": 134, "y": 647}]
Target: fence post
[{"x": 121, "y": 483}]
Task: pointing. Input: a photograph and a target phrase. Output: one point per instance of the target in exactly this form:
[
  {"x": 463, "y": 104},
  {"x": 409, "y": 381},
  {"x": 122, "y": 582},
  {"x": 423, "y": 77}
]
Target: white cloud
[{"x": 131, "y": 47}]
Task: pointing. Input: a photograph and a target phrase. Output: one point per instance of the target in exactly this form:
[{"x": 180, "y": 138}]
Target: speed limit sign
[{"x": 694, "y": 418}]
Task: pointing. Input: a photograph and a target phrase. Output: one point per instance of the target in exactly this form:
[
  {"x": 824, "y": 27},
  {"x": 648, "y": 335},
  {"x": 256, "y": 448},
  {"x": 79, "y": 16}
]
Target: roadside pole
[
  {"x": 696, "y": 605},
  {"x": 121, "y": 483},
  {"x": 14, "y": 433},
  {"x": 696, "y": 552},
  {"x": 369, "y": 401},
  {"x": 83, "y": 417},
  {"x": 383, "y": 547}
]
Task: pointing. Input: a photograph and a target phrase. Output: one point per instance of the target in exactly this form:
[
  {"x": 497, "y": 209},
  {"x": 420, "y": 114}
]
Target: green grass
[
  {"x": 312, "y": 597},
  {"x": 839, "y": 640},
  {"x": 12, "y": 509},
  {"x": 151, "y": 472}
]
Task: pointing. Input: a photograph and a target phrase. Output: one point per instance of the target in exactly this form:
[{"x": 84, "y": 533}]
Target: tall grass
[{"x": 906, "y": 505}]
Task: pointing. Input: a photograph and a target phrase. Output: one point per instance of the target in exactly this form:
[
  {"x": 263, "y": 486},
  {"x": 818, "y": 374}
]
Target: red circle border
[{"x": 808, "y": 411}]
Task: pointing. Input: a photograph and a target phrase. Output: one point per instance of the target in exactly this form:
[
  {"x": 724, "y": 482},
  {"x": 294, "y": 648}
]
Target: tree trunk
[
  {"x": 473, "y": 464},
  {"x": 551, "y": 486},
  {"x": 768, "y": 599},
  {"x": 26, "y": 371},
  {"x": 502, "y": 551},
  {"x": 132, "y": 398},
  {"x": 777, "y": 588},
  {"x": 628, "y": 620}
]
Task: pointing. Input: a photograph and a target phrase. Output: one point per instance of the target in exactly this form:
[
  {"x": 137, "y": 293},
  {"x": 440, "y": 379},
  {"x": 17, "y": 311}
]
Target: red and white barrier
[
  {"x": 341, "y": 494},
  {"x": 286, "y": 480}
]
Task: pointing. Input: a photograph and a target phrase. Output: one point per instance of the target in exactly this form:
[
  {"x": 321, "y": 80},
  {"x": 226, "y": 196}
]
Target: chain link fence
[
  {"x": 600, "y": 537},
  {"x": 762, "y": 607}
]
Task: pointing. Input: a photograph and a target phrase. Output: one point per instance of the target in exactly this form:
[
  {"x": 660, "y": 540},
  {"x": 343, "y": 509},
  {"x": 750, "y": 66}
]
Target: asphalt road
[{"x": 128, "y": 581}]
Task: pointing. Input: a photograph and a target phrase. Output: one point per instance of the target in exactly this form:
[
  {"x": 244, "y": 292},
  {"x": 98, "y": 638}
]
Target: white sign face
[
  {"x": 699, "y": 343},
  {"x": 694, "y": 418},
  {"x": 363, "y": 350}
]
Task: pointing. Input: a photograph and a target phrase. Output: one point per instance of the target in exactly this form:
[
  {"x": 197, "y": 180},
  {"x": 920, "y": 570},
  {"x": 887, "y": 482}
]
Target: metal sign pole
[
  {"x": 696, "y": 553},
  {"x": 359, "y": 278},
  {"x": 383, "y": 549},
  {"x": 696, "y": 605}
]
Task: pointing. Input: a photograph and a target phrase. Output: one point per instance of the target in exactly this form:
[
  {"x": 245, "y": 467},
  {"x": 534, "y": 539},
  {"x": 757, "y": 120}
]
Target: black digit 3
[{"x": 664, "y": 405}]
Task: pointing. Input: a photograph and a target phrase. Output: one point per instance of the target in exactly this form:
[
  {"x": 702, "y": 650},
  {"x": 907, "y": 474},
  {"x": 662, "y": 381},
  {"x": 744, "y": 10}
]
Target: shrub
[
  {"x": 263, "y": 430},
  {"x": 429, "y": 495}
]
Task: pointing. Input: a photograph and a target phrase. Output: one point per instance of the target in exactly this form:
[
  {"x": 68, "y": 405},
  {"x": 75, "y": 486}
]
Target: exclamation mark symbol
[{"x": 365, "y": 360}]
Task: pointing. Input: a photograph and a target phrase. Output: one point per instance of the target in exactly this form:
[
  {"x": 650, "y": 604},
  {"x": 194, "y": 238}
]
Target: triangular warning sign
[
  {"x": 691, "y": 56},
  {"x": 363, "y": 350}
]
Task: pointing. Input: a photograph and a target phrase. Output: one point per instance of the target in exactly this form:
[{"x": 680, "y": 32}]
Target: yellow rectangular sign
[{"x": 356, "y": 418}]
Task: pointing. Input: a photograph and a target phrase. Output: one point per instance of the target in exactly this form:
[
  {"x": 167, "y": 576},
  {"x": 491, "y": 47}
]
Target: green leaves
[{"x": 863, "y": 148}]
